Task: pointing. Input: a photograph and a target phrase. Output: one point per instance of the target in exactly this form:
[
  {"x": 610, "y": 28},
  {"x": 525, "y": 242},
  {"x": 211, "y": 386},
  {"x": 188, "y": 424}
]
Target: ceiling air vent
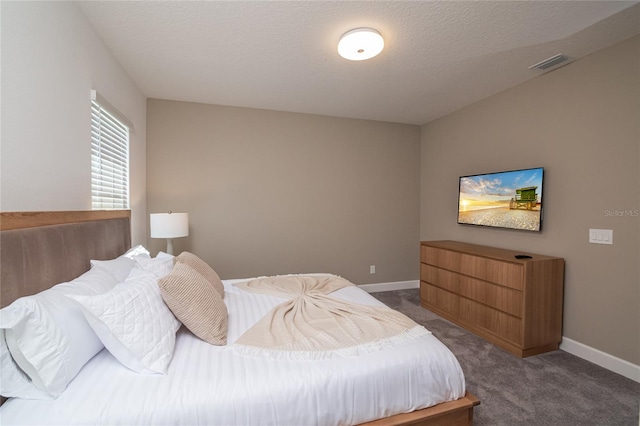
[{"x": 550, "y": 62}]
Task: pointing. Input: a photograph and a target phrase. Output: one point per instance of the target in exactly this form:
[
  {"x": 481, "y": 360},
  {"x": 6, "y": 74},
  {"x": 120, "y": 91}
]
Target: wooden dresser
[{"x": 513, "y": 303}]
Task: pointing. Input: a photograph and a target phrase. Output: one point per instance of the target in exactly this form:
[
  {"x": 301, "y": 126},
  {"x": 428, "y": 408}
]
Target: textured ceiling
[{"x": 282, "y": 55}]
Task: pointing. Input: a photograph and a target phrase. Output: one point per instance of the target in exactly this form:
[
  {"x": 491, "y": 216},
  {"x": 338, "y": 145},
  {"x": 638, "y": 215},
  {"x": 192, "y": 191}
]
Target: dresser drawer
[
  {"x": 440, "y": 277},
  {"x": 503, "y": 273},
  {"x": 442, "y": 299},
  {"x": 501, "y": 298},
  {"x": 436, "y": 256},
  {"x": 504, "y": 325}
]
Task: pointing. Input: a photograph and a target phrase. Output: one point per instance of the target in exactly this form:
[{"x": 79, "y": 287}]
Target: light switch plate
[{"x": 601, "y": 236}]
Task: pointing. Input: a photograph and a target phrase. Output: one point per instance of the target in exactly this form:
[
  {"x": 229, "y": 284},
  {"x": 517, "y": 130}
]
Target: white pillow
[
  {"x": 162, "y": 254},
  {"x": 137, "y": 251},
  {"x": 161, "y": 265},
  {"x": 122, "y": 265},
  {"x": 48, "y": 338},
  {"x": 133, "y": 322},
  {"x": 15, "y": 383}
]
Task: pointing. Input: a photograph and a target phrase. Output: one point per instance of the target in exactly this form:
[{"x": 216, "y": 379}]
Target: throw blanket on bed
[{"x": 314, "y": 325}]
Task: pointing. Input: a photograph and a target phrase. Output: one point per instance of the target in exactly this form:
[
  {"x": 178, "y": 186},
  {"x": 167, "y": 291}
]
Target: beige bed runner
[{"x": 314, "y": 325}]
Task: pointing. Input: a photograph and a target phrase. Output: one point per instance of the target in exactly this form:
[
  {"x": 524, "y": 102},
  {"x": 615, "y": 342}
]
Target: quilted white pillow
[
  {"x": 133, "y": 322},
  {"x": 46, "y": 336}
]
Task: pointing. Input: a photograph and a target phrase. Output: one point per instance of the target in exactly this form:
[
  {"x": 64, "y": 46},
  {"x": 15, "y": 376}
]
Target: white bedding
[{"x": 212, "y": 385}]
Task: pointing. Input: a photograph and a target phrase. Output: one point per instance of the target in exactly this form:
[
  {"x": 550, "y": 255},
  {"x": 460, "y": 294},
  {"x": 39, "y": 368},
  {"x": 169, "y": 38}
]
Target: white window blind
[{"x": 109, "y": 160}]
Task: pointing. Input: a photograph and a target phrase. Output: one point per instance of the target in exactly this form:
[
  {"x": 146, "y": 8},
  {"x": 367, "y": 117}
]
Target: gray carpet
[{"x": 555, "y": 388}]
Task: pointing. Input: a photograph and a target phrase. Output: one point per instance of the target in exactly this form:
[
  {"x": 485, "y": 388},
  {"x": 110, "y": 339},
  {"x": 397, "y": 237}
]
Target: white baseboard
[
  {"x": 603, "y": 359},
  {"x": 398, "y": 285}
]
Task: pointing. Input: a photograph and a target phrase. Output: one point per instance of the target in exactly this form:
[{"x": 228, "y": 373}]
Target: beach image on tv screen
[{"x": 506, "y": 199}]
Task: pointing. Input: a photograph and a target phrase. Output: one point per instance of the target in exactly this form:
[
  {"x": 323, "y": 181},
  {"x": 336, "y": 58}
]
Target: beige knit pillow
[
  {"x": 203, "y": 269},
  {"x": 195, "y": 303}
]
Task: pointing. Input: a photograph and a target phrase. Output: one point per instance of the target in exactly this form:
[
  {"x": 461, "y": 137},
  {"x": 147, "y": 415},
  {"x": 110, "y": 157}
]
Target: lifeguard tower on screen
[{"x": 525, "y": 198}]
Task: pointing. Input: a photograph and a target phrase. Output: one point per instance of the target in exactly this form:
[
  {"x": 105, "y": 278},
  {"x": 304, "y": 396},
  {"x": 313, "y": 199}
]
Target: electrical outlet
[{"x": 372, "y": 269}]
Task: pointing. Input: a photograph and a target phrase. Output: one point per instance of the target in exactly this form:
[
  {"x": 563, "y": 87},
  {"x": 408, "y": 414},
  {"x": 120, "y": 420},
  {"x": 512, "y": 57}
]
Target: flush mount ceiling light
[{"x": 360, "y": 44}]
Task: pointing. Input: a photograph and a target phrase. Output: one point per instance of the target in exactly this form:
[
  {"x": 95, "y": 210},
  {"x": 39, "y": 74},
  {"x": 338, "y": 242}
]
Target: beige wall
[
  {"x": 582, "y": 124},
  {"x": 275, "y": 193},
  {"x": 51, "y": 59}
]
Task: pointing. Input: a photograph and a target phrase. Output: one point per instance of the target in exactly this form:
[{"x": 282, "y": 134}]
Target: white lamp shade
[{"x": 169, "y": 225}]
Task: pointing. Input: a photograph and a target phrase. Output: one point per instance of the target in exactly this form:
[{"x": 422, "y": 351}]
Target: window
[{"x": 109, "y": 158}]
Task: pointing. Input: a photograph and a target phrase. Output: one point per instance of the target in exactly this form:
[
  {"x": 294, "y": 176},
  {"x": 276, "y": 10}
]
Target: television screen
[{"x": 510, "y": 199}]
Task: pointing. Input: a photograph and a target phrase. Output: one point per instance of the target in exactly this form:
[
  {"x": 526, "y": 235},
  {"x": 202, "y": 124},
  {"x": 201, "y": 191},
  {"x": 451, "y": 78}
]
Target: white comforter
[{"x": 211, "y": 385}]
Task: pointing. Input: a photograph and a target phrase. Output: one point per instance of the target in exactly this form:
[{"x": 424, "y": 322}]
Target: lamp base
[{"x": 170, "y": 246}]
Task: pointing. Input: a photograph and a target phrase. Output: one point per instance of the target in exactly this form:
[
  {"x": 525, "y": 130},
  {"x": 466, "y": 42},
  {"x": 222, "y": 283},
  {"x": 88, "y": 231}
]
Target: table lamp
[{"x": 169, "y": 225}]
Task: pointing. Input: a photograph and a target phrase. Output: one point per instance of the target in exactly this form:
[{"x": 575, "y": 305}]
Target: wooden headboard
[{"x": 41, "y": 249}]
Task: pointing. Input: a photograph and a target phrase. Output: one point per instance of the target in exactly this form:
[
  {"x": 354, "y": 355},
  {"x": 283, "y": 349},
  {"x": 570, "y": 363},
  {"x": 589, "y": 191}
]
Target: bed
[{"x": 208, "y": 384}]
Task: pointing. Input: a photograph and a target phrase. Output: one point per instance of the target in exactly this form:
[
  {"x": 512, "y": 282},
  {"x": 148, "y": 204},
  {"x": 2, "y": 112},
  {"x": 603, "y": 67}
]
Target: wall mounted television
[{"x": 511, "y": 199}]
